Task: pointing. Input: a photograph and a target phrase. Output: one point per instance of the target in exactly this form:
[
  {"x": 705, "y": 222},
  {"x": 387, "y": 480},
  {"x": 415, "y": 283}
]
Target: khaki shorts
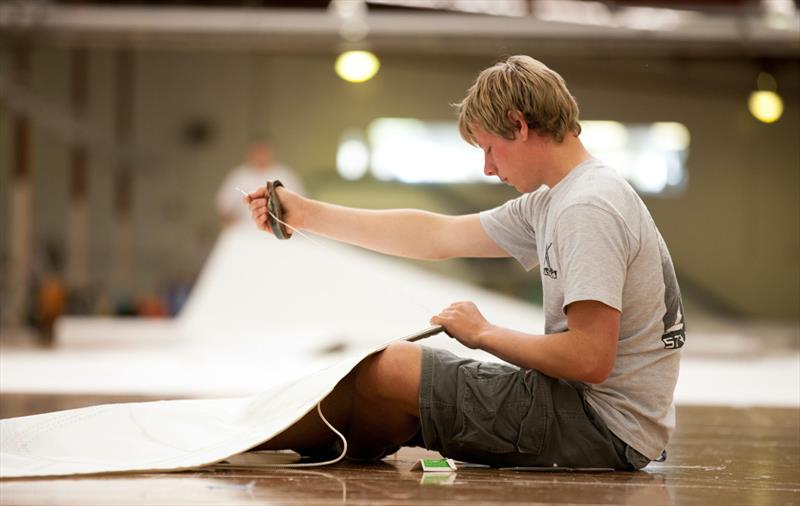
[{"x": 503, "y": 416}]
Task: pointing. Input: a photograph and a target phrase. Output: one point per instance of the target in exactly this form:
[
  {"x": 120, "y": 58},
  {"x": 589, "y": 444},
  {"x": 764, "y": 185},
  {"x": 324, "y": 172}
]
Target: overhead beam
[{"x": 144, "y": 25}]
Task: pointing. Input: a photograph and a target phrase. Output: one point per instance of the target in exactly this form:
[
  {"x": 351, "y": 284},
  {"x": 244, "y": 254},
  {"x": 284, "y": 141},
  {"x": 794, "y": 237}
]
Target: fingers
[
  {"x": 262, "y": 223},
  {"x": 445, "y": 317},
  {"x": 258, "y": 209},
  {"x": 258, "y": 206},
  {"x": 461, "y": 304},
  {"x": 250, "y": 197},
  {"x": 439, "y": 320},
  {"x": 455, "y": 312},
  {"x": 257, "y": 202},
  {"x": 457, "y": 308},
  {"x": 260, "y": 192},
  {"x": 454, "y": 309}
]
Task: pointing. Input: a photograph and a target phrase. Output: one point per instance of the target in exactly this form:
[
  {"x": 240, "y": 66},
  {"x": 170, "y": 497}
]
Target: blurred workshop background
[
  {"x": 120, "y": 120},
  {"x": 127, "y": 273}
]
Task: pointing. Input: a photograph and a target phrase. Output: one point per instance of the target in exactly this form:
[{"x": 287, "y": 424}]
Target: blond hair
[{"x": 519, "y": 83}]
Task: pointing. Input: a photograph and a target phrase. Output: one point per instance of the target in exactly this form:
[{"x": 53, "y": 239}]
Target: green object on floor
[{"x": 436, "y": 465}]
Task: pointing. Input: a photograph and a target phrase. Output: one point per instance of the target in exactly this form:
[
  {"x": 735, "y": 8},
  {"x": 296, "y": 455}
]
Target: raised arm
[{"x": 401, "y": 232}]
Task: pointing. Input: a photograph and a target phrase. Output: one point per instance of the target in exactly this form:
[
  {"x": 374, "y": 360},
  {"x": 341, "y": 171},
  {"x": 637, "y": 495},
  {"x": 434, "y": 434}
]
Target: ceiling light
[
  {"x": 765, "y": 106},
  {"x": 357, "y": 66},
  {"x": 764, "y": 103}
]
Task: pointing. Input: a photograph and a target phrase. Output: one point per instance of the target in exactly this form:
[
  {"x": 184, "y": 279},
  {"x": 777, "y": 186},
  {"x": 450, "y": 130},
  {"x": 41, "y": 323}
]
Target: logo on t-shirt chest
[{"x": 548, "y": 268}]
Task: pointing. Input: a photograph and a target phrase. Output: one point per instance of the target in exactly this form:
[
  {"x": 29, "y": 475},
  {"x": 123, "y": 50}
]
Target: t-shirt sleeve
[
  {"x": 592, "y": 246},
  {"x": 511, "y": 227}
]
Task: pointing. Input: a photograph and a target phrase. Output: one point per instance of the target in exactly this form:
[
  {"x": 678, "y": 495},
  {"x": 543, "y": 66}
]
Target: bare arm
[
  {"x": 401, "y": 232},
  {"x": 586, "y": 352}
]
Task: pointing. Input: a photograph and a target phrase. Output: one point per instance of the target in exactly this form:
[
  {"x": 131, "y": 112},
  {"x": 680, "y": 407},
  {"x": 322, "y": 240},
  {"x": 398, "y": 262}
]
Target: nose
[{"x": 488, "y": 167}]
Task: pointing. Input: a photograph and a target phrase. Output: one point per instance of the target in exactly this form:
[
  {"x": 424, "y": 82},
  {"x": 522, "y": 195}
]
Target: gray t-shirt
[{"x": 595, "y": 240}]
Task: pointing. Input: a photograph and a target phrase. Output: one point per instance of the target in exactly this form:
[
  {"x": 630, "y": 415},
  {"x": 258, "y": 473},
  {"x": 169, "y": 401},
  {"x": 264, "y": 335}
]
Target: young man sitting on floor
[{"x": 595, "y": 390}]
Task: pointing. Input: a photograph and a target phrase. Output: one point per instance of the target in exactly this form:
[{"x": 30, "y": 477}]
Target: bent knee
[
  {"x": 392, "y": 374},
  {"x": 400, "y": 354}
]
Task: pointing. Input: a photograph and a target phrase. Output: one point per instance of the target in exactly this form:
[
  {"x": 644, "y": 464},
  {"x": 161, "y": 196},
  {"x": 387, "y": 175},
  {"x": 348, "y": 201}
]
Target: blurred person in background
[
  {"x": 51, "y": 294},
  {"x": 259, "y": 166}
]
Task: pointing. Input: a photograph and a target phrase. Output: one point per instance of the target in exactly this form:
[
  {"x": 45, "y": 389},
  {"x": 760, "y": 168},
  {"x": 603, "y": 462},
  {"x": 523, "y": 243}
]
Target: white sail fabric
[
  {"x": 158, "y": 436},
  {"x": 256, "y": 288},
  {"x": 257, "y": 321},
  {"x": 262, "y": 311}
]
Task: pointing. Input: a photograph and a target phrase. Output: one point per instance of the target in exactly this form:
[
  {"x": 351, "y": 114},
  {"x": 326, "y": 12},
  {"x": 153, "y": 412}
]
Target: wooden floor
[{"x": 718, "y": 455}]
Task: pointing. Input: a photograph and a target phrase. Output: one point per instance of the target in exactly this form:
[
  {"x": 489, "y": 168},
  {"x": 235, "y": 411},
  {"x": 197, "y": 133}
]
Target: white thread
[
  {"x": 224, "y": 465},
  {"x": 331, "y": 427}
]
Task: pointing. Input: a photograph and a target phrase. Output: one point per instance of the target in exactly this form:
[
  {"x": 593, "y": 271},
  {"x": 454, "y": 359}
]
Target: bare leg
[
  {"x": 376, "y": 406},
  {"x": 385, "y": 409}
]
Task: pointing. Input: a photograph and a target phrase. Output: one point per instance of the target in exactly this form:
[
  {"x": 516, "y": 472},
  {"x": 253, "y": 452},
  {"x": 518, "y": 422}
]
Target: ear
[{"x": 518, "y": 119}]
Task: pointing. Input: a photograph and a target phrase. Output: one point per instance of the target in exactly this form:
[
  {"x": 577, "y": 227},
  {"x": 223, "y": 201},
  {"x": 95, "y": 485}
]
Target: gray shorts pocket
[
  {"x": 495, "y": 411},
  {"x": 533, "y": 427}
]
